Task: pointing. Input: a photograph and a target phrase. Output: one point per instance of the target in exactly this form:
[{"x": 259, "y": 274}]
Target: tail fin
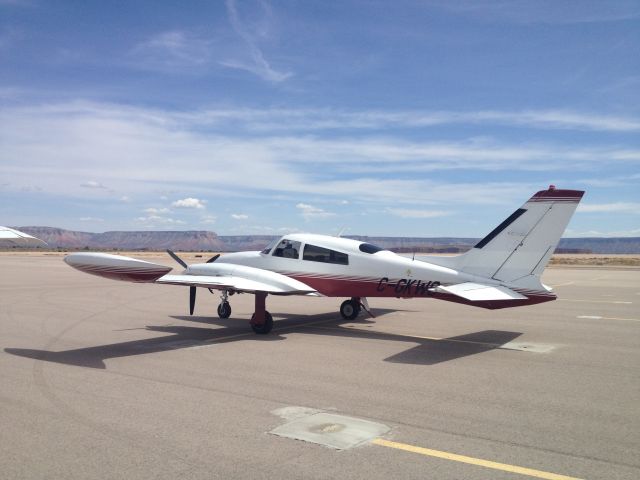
[{"x": 518, "y": 250}]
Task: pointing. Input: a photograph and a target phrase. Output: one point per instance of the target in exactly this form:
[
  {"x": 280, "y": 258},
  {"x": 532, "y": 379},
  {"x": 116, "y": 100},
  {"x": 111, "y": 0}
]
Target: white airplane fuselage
[{"x": 379, "y": 274}]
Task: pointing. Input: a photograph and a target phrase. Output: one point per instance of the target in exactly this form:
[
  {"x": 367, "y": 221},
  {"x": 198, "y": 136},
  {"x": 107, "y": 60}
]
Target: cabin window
[
  {"x": 369, "y": 248},
  {"x": 324, "y": 255},
  {"x": 287, "y": 249}
]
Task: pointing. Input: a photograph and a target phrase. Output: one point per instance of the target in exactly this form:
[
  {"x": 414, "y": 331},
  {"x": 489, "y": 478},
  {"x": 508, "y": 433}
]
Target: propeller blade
[
  {"x": 192, "y": 299},
  {"x": 177, "y": 258},
  {"x": 213, "y": 259}
]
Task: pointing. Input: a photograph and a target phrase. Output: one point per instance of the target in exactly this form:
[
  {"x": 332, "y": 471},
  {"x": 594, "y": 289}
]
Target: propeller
[
  {"x": 192, "y": 299},
  {"x": 177, "y": 258},
  {"x": 192, "y": 290}
]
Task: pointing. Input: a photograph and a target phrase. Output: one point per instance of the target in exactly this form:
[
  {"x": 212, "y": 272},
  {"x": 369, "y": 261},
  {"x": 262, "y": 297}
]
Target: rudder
[{"x": 518, "y": 250}]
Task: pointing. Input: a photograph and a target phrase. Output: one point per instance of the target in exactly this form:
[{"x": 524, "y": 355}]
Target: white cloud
[
  {"x": 208, "y": 219},
  {"x": 156, "y": 211},
  {"x": 620, "y": 207},
  {"x": 157, "y": 220},
  {"x": 125, "y": 199},
  {"x": 93, "y": 184},
  {"x": 239, "y": 216},
  {"x": 189, "y": 203},
  {"x": 310, "y": 212},
  {"x": 91, "y": 219},
  {"x": 409, "y": 213}
]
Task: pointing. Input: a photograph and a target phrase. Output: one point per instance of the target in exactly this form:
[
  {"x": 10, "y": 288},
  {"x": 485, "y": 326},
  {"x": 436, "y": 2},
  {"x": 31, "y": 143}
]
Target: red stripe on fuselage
[{"x": 407, "y": 288}]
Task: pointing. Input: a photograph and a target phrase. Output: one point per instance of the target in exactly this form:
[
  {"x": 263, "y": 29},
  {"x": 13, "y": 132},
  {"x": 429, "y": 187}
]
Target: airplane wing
[
  {"x": 477, "y": 292},
  {"x": 212, "y": 275},
  {"x": 236, "y": 283},
  {"x": 11, "y": 237}
]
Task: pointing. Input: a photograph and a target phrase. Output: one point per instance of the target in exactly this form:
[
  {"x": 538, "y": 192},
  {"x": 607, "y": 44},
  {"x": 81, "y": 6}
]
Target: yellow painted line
[
  {"x": 594, "y": 301},
  {"x": 471, "y": 460}
]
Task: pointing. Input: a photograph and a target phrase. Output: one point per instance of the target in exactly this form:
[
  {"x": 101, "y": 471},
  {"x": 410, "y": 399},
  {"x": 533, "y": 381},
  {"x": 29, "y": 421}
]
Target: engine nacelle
[{"x": 116, "y": 267}]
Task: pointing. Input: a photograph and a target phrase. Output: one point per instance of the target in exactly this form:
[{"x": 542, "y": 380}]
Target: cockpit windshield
[
  {"x": 269, "y": 247},
  {"x": 287, "y": 249}
]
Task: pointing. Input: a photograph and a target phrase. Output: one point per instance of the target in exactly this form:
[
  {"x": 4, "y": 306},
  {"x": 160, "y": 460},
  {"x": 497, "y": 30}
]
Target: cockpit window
[
  {"x": 369, "y": 248},
  {"x": 287, "y": 249},
  {"x": 324, "y": 255},
  {"x": 268, "y": 248}
]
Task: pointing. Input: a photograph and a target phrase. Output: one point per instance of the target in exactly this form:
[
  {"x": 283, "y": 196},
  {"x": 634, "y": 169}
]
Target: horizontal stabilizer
[{"x": 477, "y": 292}]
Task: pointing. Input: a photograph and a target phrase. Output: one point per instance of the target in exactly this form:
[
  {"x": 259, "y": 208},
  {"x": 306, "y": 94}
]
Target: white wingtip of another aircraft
[{"x": 14, "y": 238}]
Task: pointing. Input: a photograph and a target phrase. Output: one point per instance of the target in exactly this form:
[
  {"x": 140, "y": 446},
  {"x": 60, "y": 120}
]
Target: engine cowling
[{"x": 116, "y": 267}]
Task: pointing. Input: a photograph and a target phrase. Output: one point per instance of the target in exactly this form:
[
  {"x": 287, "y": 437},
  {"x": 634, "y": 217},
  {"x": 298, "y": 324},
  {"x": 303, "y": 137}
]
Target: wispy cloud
[
  {"x": 624, "y": 207},
  {"x": 411, "y": 213},
  {"x": 135, "y": 149},
  {"x": 258, "y": 65},
  {"x": 239, "y": 216},
  {"x": 208, "y": 219},
  {"x": 546, "y": 12},
  {"x": 158, "y": 220},
  {"x": 172, "y": 50},
  {"x": 310, "y": 212},
  {"x": 634, "y": 232},
  {"x": 328, "y": 119}
]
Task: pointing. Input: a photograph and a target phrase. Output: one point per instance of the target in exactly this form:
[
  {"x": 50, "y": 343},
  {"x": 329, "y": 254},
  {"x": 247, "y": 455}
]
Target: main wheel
[
  {"x": 349, "y": 310},
  {"x": 265, "y": 327},
  {"x": 224, "y": 310}
]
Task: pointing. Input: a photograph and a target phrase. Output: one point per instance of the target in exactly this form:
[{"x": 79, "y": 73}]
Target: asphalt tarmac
[{"x": 105, "y": 379}]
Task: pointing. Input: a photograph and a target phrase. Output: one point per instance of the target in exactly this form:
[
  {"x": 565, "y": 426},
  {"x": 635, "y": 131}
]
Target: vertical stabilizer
[{"x": 518, "y": 250}]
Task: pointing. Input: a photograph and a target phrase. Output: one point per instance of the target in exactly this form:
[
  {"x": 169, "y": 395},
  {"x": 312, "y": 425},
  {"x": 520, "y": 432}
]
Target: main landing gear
[
  {"x": 350, "y": 309},
  {"x": 261, "y": 321}
]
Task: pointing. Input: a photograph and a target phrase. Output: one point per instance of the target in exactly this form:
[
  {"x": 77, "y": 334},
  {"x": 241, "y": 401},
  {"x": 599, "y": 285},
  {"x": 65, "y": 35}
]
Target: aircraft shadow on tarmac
[{"x": 427, "y": 352}]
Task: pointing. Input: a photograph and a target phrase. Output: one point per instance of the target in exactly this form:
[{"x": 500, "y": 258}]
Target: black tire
[
  {"x": 224, "y": 310},
  {"x": 349, "y": 310},
  {"x": 265, "y": 327}
]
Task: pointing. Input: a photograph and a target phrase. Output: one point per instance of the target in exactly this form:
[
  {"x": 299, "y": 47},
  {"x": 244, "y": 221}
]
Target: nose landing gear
[{"x": 224, "y": 309}]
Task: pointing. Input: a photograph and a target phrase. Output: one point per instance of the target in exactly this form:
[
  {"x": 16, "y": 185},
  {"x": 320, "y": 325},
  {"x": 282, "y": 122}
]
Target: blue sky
[{"x": 406, "y": 118}]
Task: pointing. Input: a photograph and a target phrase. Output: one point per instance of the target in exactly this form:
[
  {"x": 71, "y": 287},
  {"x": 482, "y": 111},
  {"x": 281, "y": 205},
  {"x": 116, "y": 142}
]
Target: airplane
[
  {"x": 502, "y": 270},
  {"x": 15, "y": 238}
]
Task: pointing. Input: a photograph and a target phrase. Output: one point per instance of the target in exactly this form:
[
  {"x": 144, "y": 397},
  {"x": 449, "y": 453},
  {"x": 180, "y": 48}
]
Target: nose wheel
[{"x": 224, "y": 310}]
